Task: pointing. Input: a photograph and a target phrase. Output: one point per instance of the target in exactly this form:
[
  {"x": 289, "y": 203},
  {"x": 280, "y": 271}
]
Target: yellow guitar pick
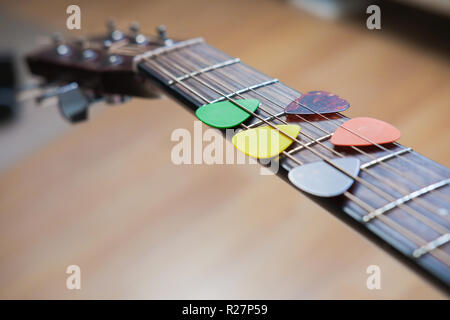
[{"x": 265, "y": 142}]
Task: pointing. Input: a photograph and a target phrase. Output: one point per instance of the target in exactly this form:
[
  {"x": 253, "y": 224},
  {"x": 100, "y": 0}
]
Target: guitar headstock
[{"x": 99, "y": 66}]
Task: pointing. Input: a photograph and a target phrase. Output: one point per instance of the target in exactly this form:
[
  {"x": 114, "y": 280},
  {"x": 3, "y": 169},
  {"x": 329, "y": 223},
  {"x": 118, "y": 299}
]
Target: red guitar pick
[{"x": 364, "y": 132}]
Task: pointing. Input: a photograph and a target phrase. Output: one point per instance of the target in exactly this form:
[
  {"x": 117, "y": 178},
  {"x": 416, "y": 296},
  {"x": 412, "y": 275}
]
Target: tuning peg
[
  {"x": 111, "y": 58},
  {"x": 162, "y": 33},
  {"x": 61, "y": 48},
  {"x": 137, "y": 36},
  {"x": 107, "y": 44},
  {"x": 83, "y": 47},
  {"x": 134, "y": 27},
  {"x": 81, "y": 43},
  {"x": 114, "y": 33}
]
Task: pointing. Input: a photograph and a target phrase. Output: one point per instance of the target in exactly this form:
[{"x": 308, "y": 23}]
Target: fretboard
[{"x": 406, "y": 210}]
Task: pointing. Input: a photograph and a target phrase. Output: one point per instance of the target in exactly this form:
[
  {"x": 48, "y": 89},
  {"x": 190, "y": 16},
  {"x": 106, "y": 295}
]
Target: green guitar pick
[{"x": 225, "y": 114}]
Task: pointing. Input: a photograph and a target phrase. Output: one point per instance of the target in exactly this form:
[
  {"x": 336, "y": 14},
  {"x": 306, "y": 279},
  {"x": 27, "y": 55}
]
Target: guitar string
[
  {"x": 398, "y": 156},
  {"x": 228, "y": 75},
  {"x": 416, "y": 214},
  {"x": 392, "y": 154},
  {"x": 399, "y": 228},
  {"x": 424, "y": 203},
  {"x": 269, "y": 113},
  {"x": 412, "y": 212},
  {"x": 409, "y": 235}
]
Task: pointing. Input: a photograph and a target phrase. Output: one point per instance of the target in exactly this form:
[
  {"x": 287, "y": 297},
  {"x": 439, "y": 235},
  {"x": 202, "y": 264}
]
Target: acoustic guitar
[{"x": 393, "y": 195}]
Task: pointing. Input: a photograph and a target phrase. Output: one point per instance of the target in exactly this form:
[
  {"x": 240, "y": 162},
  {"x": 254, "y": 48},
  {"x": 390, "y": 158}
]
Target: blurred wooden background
[{"x": 106, "y": 196}]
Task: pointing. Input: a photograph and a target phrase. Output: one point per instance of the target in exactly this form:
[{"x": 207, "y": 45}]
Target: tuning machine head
[
  {"x": 111, "y": 58},
  {"x": 135, "y": 34},
  {"x": 102, "y": 67},
  {"x": 162, "y": 34},
  {"x": 84, "y": 51},
  {"x": 62, "y": 49},
  {"x": 113, "y": 33}
]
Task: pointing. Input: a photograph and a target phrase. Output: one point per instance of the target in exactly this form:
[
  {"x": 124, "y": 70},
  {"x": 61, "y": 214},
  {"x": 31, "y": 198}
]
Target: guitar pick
[
  {"x": 322, "y": 180},
  {"x": 368, "y": 129},
  {"x": 226, "y": 114},
  {"x": 317, "y": 102},
  {"x": 265, "y": 142}
]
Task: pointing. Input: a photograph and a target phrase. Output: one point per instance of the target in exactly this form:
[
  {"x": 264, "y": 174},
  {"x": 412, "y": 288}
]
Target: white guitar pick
[{"x": 322, "y": 180}]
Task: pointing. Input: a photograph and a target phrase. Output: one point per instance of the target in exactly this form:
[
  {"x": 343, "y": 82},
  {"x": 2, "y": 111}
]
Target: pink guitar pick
[{"x": 364, "y": 132}]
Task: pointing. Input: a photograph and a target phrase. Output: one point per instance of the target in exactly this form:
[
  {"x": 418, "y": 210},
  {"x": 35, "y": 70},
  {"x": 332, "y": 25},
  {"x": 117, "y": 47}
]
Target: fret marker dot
[
  {"x": 226, "y": 114},
  {"x": 265, "y": 142}
]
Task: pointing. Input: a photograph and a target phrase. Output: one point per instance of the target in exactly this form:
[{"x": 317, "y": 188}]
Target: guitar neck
[{"x": 408, "y": 215}]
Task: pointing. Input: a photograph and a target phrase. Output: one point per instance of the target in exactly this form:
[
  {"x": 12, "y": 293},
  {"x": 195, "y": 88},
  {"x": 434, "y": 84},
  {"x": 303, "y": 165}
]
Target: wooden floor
[{"x": 105, "y": 196}]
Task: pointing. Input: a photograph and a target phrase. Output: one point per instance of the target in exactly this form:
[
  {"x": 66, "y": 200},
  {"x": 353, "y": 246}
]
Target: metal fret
[
  {"x": 206, "y": 69},
  {"x": 386, "y": 157},
  {"x": 256, "y": 86},
  {"x": 430, "y": 246},
  {"x": 404, "y": 199},
  {"x": 166, "y": 49}
]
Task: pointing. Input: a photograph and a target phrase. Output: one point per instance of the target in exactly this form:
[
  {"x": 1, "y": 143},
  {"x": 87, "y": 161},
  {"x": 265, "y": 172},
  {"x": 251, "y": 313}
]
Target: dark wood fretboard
[{"x": 409, "y": 216}]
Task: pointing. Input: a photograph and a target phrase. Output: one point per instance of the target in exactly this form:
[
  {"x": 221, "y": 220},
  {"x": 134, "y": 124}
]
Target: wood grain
[{"x": 106, "y": 196}]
